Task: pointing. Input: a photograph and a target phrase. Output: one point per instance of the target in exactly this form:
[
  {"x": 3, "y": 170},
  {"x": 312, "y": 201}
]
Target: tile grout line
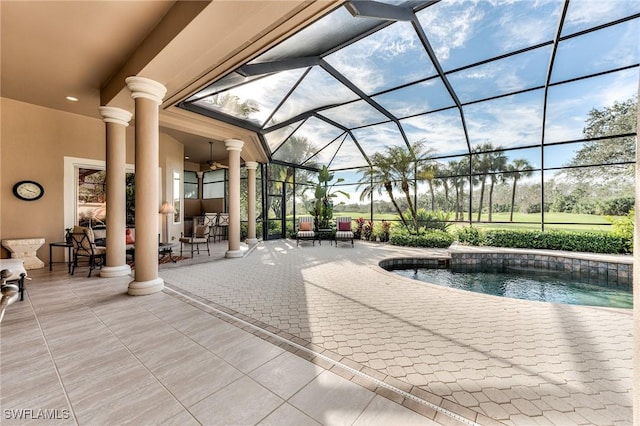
[
  {"x": 332, "y": 361},
  {"x": 53, "y": 361},
  {"x": 138, "y": 360}
]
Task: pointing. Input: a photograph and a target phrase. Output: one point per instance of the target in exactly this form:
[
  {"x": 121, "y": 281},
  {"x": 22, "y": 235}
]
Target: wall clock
[{"x": 28, "y": 190}]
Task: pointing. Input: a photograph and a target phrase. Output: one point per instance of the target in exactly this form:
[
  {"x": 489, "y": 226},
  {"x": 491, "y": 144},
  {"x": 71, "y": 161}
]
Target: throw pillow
[
  {"x": 129, "y": 238},
  {"x": 306, "y": 226},
  {"x": 344, "y": 226},
  {"x": 201, "y": 231}
]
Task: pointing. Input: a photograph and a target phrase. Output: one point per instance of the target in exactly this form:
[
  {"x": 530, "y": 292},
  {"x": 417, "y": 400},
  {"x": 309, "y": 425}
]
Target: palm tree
[
  {"x": 428, "y": 171},
  {"x": 460, "y": 175},
  {"x": 518, "y": 170},
  {"x": 403, "y": 167},
  {"x": 481, "y": 166},
  {"x": 498, "y": 163},
  {"x": 379, "y": 177},
  {"x": 403, "y": 170}
]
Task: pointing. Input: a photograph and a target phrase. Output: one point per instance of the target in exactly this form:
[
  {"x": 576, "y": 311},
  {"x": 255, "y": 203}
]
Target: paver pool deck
[{"x": 454, "y": 357}]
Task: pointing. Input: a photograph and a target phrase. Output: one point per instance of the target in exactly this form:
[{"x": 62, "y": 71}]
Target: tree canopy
[{"x": 617, "y": 119}]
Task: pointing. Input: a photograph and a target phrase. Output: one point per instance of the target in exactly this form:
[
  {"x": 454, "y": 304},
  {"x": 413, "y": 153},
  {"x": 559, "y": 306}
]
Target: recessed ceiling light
[
  {"x": 72, "y": 98},
  {"x": 186, "y": 157}
]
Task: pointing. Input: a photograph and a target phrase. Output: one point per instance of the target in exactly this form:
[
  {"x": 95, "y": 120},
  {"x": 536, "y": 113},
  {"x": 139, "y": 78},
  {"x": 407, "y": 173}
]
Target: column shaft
[
  {"x": 116, "y": 121},
  {"x": 147, "y": 95},
  {"x": 234, "y": 147},
  {"x": 251, "y": 205}
]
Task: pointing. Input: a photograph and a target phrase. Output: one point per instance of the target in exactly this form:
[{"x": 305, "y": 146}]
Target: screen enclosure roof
[{"x": 453, "y": 74}]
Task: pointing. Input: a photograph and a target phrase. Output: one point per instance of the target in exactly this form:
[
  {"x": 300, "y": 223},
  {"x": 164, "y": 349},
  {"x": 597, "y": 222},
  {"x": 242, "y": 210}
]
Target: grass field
[{"x": 577, "y": 222}]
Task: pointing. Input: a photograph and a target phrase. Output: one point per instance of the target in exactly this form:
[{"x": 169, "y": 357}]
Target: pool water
[{"x": 526, "y": 284}]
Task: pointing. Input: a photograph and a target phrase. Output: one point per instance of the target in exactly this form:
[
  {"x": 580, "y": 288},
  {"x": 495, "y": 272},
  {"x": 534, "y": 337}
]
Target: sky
[{"x": 461, "y": 33}]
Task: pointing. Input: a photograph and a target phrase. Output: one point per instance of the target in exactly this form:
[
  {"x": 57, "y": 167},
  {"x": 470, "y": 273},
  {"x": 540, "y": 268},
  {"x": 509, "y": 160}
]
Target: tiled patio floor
[{"x": 193, "y": 353}]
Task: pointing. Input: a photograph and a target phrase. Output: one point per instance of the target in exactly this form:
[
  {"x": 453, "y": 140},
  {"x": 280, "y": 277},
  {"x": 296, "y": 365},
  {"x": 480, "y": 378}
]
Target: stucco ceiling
[{"x": 54, "y": 49}]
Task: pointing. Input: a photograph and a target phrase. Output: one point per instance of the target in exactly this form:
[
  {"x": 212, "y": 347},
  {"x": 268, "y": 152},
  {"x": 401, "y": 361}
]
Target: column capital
[
  {"x": 251, "y": 165},
  {"x": 115, "y": 115},
  {"x": 141, "y": 87},
  {"x": 200, "y": 174},
  {"x": 233, "y": 144}
]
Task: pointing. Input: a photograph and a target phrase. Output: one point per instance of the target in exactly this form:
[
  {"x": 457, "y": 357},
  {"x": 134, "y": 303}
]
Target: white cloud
[
  {"x": 506, "y": 122},
  {"x": 451, "y": 26}
]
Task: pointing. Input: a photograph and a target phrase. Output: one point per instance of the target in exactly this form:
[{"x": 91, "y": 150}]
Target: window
[
  {"x": 190, "y": 185},
  {"x": 213, "y": 184},
  {"x": 176, "y": 197},
  {"x": 92, "y": 192}
]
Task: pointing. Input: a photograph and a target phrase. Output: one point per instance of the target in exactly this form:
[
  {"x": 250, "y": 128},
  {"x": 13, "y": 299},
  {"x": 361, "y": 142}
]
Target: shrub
[
  {"x": 357, "y": 234},
  {"x": 381, "y": 230},
  {"x": 367, "y": 230},
  {"x": 432, "y": 219},
  {"x": 615, "y": 206},
  {"x": 594, "y": 242},
  {"x": 623, "y": 227},
  {"x": 432, "y": 238},
  {"x": 471, "y": 236}
]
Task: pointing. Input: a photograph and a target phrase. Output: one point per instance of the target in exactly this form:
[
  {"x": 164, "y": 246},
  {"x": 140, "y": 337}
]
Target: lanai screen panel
[
  {"x": 510, "y": 121},
  {"x": 441, "y": 132},
  {"x": 456, "y": 75},
  {"x": 388, "y": 58},
  {"x": 354, "y": 114},
  {"x": 467, "y": 32},
  {"x": 515, "y": 73},
  {"x": 569, "y": 104}
]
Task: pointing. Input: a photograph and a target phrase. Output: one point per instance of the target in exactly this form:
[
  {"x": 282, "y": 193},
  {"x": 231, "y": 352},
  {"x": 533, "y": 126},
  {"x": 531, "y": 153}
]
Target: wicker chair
[
  {"x": 305, "y": 230},
  {"x": 343, "y": 229}
]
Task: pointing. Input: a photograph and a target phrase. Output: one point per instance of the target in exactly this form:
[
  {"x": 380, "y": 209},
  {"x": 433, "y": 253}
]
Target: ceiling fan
[{"x": 214, "y": 165}]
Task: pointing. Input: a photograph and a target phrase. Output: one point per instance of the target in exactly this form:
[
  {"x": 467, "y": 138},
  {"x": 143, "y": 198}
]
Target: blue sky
[{"x": 461, "y": 33}]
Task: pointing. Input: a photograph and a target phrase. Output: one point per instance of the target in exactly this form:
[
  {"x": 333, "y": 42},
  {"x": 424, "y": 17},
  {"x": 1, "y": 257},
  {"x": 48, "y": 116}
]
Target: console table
[{"x": 25, "y": 248}]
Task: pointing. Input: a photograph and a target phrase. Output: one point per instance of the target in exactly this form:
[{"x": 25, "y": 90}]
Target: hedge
[
  {"x": 433, "y": 238},
  {"x": 592, "y": 242}
]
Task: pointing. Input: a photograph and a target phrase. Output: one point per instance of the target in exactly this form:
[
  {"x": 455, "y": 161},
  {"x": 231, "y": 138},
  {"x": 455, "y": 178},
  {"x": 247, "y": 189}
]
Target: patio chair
[
  {"x": 343, "y": 231},
  {"x": 84, "y": 246},
  {"x": 199, "y": 236},
  {"x": 211, "y": 220},
  {"x": 222, "y": 227},
  {"x": 305, "y": 230}
]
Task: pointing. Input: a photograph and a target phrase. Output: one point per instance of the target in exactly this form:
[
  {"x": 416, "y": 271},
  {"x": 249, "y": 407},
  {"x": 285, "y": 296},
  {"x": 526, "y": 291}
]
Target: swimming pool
[{"x": 525, "y": 283}]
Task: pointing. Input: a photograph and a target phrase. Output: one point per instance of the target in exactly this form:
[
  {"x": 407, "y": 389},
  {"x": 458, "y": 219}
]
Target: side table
[
  {"x": 166, "y": 249},
  {"x": 325, "y": 234},
  {"x": 62, "y": 244},
  {"x": 25, "y": 248}
]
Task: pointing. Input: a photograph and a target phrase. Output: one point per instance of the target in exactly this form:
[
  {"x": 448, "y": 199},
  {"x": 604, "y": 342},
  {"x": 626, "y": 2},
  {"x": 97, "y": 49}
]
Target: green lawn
[{"x": 580, "y": 222}]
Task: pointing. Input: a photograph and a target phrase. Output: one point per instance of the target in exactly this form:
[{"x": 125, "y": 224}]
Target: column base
[
  {"x": 251, "y": 241},
  {"x": 233, "y": 254},
  {"x": 142, "y": 288},
  {"x": 115, "y": 271}
]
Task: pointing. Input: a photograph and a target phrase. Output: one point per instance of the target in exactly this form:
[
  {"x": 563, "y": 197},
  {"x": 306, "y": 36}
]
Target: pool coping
[{"x": 614, "y": 270}]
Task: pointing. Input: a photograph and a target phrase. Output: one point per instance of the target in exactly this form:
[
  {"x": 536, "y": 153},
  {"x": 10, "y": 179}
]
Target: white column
[
  {"x": 148, "y": 96},
  {"x": 251, "y": 205},
  {"x": 234, "y": 146},
  {"x": 200, "y": 176},
  {"x": 116, "y": 121}
]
